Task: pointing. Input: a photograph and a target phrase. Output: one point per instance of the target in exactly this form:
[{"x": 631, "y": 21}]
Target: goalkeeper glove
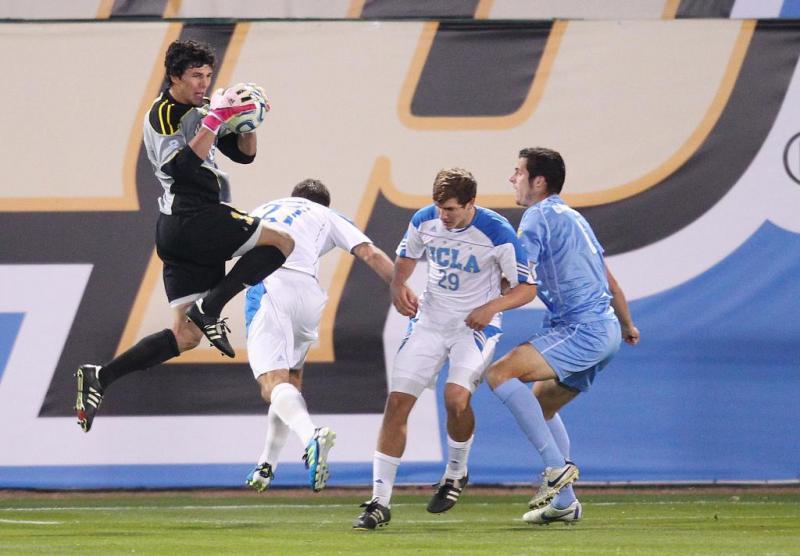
[{"x": 225, "y": 105}]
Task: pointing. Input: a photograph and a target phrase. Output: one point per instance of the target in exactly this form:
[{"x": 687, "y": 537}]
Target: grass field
[{"x": 233, "y": 523}]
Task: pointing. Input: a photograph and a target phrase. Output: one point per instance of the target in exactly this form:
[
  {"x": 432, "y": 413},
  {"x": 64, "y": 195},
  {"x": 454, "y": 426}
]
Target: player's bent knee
[
  {"x": 398, "y": 406},
  {"x": 456, "y": 400},
  {"x": 498, "y": 373}
]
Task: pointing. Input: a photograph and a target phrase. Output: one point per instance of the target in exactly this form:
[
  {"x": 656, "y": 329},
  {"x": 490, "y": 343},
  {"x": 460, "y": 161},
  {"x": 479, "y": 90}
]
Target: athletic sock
[
  {"x": 289, "y": 405},
  {"x": 528, "y": 413},
  {"x": 275, "y": 440},
  {"x": 566, "y": 495},
  {"x": 384, "y": 472},
  {"x": 457, "y": 456},
  {"x": 249, "y": 270},
  {"x": 147, "y": 352}
]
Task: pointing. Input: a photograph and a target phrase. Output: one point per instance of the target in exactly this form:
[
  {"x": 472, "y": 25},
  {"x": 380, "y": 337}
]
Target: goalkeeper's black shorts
[{"x": 194, "y": 247}]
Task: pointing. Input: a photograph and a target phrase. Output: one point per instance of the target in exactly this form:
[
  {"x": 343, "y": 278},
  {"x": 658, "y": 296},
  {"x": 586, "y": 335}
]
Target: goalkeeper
[{"x": 196, "y": 233}]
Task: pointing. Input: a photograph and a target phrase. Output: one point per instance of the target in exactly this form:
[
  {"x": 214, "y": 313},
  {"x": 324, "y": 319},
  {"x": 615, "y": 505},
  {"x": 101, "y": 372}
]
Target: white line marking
[{"x": 27, "y": 522}]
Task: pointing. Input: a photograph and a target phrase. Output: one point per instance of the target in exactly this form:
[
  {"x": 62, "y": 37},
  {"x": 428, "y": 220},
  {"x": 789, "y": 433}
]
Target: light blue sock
[
  {"x": 566, "y": 496},
  {"x": 528, "y": 413}
]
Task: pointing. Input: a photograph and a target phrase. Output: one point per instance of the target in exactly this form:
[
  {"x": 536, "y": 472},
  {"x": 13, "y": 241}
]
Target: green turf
[{"x": 628, "y": 524}]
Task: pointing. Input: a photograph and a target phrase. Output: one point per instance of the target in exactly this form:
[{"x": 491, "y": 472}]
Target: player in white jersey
[
  {"x": 469, "y": 250},
  {"x": 587, "y": 318},
  {"x": 283, "y": 314}
]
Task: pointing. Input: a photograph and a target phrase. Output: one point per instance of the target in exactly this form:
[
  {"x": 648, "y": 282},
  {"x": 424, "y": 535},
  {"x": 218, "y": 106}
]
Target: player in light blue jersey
[
  {"x": 587, "y": 318},
  {"x": 469, "y": 250}
]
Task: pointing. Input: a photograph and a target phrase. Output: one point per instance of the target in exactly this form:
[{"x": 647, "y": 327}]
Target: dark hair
[
  {"x": 546, "y": 163},
  {"x": 313, "y": 190},
  {"x": 454, "y": 182},
  {"x": 182, "y": 55}
]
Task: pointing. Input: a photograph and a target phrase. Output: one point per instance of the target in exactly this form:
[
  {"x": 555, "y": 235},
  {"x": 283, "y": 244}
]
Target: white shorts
[
  {"x": 286, "y": 323},
  {"x": 426, "y": 347}
]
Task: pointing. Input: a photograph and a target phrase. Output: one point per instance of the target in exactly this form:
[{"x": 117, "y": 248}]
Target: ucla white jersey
[
  {"x": 464, "y": 265},
  {"x": 316, "y": 229}
]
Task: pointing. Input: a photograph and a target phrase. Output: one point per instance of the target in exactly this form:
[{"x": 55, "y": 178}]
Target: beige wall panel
[
  {"x": 623, "y": 97},
  {"x": 618, "y": 90},
  {"x": 49, "y": 9},
  {"x": 576, "y": 9},
  {"x": 244, "y": 9},
  {"x": 83, "y": 86}
]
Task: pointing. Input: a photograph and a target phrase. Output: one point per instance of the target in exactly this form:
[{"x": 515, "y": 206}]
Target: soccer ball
[{"x": 245, "y": 122}]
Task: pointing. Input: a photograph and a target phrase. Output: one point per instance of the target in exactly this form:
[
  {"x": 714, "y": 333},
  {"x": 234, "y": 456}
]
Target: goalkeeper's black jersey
[{"x": 189, "y": 183}]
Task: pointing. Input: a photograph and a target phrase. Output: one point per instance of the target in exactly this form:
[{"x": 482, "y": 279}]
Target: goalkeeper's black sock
[
  {"x": 148, "y": 352},
  {"x": 249, "y": 270}
]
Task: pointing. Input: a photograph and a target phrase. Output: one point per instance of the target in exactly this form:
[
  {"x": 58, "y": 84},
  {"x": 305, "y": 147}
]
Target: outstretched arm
[
  {"x": 405, "y": 300},
  {"x": 376, "y": 259},
  {"x": 629, "y": 331},
  {"x": 517, "y": 296}
]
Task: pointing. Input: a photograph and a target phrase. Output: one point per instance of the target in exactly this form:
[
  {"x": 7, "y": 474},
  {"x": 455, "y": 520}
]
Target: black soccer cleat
[
  {"x": 446, "y": 495},
  {"x": 90, "y": 394},
  {"x": 374, "y": 516},
  {"x": 213, "y": 327}
]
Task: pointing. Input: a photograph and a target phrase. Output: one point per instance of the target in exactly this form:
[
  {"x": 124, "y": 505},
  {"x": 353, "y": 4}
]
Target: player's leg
[
  {"x": 385, "y": 461},
  {"x": 552, "y": 396},
  {"x": 565, "y": 507},
  {"x": 470, "y": 354},
  {"x": 277, "y": 433},
  {"x": 415, "y": 368},
  {"x": 221, "y": 234},
  {"x": 525, "y": 363},
  {"x": 575, "y": 353},
  {"x": 285, "y": 313},
  {"x": 460, "y": 431},
  {"x": 93, "y": 380}
]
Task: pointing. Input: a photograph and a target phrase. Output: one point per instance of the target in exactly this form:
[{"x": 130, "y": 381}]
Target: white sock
[
  {"x": 277, "y": 434},
  {"x": 457, "y": 456},
  {"x": 289, "y": 405},
  {"x": 384, "y": 472}
]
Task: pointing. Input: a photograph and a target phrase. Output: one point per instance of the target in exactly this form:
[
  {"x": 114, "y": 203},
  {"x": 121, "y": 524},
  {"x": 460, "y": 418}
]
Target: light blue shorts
[{"x": 577, "y": 352}]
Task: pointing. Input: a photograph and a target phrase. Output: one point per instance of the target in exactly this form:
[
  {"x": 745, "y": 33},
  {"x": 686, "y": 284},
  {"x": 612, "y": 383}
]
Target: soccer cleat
[
  {"x": 260, "y": 477},
  {"x": 213, "y": 327},
  {"x": 447, "y": 493},
  {"x": 316, "y": 457},
  {"x": 374, "y": 516},
  {"x": 90, "y": 394},
  {"x": 553, "y": 480},
  {"x": 542, "y": 516}
]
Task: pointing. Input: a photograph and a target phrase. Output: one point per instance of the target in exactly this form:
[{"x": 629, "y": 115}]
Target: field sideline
[{"x": 707, "y": 520}]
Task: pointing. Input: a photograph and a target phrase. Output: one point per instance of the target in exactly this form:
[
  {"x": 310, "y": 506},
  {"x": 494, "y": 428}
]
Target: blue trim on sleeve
[
  {"x": 423, "y": 215},
  {"x": 496, "y": 227}
]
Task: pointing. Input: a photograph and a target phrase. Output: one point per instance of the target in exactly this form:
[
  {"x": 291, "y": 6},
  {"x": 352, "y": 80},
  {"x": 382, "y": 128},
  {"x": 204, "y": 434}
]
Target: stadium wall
[{"x": 682, "y": 142}]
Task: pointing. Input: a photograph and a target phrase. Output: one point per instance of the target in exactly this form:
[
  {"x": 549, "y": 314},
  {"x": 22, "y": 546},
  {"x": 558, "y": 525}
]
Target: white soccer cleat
[
  {"x": 553, "y": 480},
  {"x": 260, "y": 477},
  {"x": 542, "y": 516}
]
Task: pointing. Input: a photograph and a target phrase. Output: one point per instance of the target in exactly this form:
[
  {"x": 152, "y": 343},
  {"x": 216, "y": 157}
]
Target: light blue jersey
[{"x": 567, "y": 261}]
